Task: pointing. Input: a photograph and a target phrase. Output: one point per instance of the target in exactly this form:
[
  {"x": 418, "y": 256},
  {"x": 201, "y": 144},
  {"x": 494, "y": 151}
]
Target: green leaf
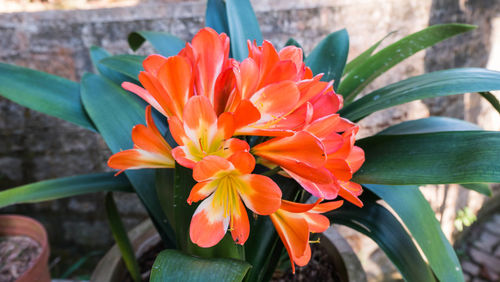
[
  {"x": 434, "y": 84},
  {"x": 482, "y": 188},
  {"x": 329, "y": 56},
  {"x": 172, "y": 265},
  {"x": 128, "y": 65},
  {"x": 115, "y": 112},
  {"x": 418, "y": 216},
  {"x": 96, "y": 55},
  {"x": 361, "y": 58},
  {"x": 166, "y": 44},
  {"x": 431, "y": 158},
  {"x": 64, "y": 187},
  {"x": 430, "y": 124},
  {"x": 216, "y": 16},
  {"x": 381, "y": 226},
  {"x": 45, "y": 93},
  {"x": 388, "y": 57},
  {"x": 492, "y": 99},
  {"x": 243, "y": 26},
  {"x": 121, "y": 238}
]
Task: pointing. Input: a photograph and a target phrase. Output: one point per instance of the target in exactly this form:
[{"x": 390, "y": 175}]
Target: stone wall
[{"x": 34, "y": 146}]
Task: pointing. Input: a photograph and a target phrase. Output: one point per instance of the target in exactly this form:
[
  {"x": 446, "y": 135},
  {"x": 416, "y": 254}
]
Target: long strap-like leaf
[
  {"x": 417, "y": 215},
  {"x": 381, "y": 226},
  {"x": 434, "y": 84},
  {"x": 64, "y": 187},
  {"x": 45, "y": 93},
  {"x": 431, "y": 158},
  {"x": 388, "y": 57}
]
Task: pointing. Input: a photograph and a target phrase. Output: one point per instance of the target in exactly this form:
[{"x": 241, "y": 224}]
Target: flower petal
[
  {"x": 350, "y": 191},
  {"x": 208, "y": 225},
  {"x": 321, "y": 190},
  {"x": 293, "y": 232},
  {"x": 243, "y": 161},
  {"x": 143, "y": 94},
  {"x": 137, "y": 159},
  {"x": 260, "y": 193},
  {"x": 175, "y": 76},
  {"x": 240, "y": 226},
  {"x": 209, "y": 166},
  {"x": 276, "y": 100},
  {"x": 200, "y": 191},
  {"x": 153, "y": 63}
]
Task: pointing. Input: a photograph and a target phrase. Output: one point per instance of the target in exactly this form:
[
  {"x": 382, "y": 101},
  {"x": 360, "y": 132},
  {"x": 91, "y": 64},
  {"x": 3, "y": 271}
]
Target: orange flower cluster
[{"x": 208, "y": 98}]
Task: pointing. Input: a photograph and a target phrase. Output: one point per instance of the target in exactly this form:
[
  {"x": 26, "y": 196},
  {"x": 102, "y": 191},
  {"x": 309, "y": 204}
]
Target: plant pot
[
  {"x": 111, "y": 267},
  {"x": 15, "y": 225}
]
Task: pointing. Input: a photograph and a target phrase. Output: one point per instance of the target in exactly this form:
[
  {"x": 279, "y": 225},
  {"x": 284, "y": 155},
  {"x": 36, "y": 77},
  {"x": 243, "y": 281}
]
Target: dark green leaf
[
  {"x": 430, "y": 124},
  {"x": 216, "y": 16},
  {"x": 45, "y": 93},
  {"x": 115, "y": 112},
  {"x": 129, "y": 65},
  {"x": 434, "y": 84},
  {"x": 492, "y": 99},
  {"x": 381, "y": 226},
  {"x": 64, "y": 187},
  {"x": 416, "y": 213},
  {"x": 97, "y": 54},
  {"x": 431, "y": 158},
  {"x": 361, "y": 58},
  {"x": 388, "y": 57},
  {"x": 121, "y": 238},
  {"x": 172, "y": 265},
  {"x": 166, "y": 44},
  {"x": 329, "y": 56},
  {"x": 243, "y": 26},
  {"x": 482, "y": 188}
]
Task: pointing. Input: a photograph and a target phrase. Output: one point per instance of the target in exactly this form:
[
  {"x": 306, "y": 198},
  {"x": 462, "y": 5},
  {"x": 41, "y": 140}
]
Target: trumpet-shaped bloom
[
  {"x": 150, "y": 149},
  {"x": 224, "y": 185},
  {"x": 294, "y": 222},
  {"x": 202, "y": 133}
]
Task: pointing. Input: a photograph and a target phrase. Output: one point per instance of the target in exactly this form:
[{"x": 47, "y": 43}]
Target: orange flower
[
  {"x": 150, "y": 149},
  {"x": 294, "y": 222},
  {"x": 202, "y": 134},
  {"x": 223, "y": 184},
  {"x": 169, "y": 82}
]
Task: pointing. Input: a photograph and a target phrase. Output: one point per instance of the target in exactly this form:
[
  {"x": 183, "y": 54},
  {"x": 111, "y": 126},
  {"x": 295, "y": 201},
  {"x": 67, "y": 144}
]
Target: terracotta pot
[{"x": 13, "y": 225}]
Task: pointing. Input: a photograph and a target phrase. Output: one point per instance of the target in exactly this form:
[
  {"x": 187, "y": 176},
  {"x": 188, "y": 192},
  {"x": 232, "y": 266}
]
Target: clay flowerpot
[{"x": 16, "y": 225}]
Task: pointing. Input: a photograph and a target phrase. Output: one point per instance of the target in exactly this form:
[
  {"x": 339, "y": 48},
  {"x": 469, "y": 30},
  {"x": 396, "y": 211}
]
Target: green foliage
[
  {"x": 361, "y": 58},
  {"x": 114, "y": 115},
  {"x": 431, "y": 158},
  {"x": 165, "y": 43},
  {"x": 128, "y": 65},
  {"x": 121, "y": 238},
  {"x": 381, "y": 226},
  {"x": 329, "y": 57},
  {"x": 423, "y": 226},
  {"x": 45, "y": 93},
  {"x": 388, "y": 57},
  {"x": 172, "y": 265},
  {"x": 465, "y": 217},
  {"x": 434, "y": 84},
  {"x": 64, "y": 187},
  {"x": 243, "y": 26}
]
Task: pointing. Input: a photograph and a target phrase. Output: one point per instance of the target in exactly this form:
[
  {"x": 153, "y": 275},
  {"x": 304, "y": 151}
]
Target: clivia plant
[{"x": 241, "y": 151}]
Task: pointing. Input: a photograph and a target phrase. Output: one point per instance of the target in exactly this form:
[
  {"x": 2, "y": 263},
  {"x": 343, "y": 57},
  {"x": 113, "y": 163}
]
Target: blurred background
[{"x": 55, "y": 36}]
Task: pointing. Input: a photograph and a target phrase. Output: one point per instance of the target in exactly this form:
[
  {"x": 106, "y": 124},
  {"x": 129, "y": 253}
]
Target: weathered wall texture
[{"x": 34, "y": 147}]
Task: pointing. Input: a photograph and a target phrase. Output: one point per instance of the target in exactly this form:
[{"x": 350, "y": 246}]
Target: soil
[
  {"x": 17, "y": 254},
  {"x": 319, "y": 268}
]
